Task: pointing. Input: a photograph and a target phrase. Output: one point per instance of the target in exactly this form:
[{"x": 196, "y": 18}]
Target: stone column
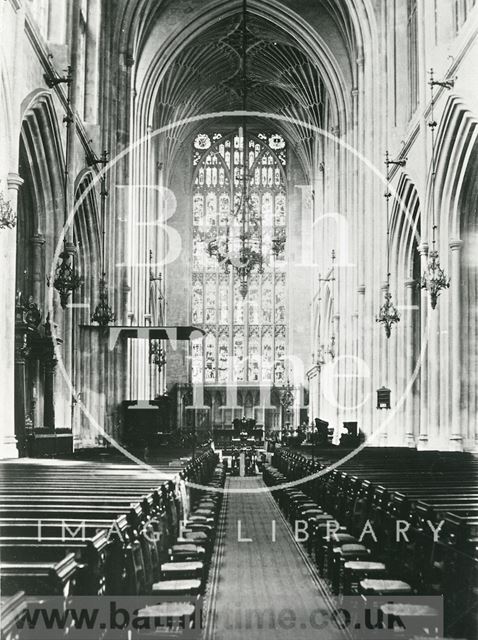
[
  {"x": 423, "y": 431},
  {"x": 409, "y": 365},
  {"x": 361, "y": 382},
  {"x": 385, "y": 374},
  {"x": 37, "y": 241},
  {"x": 352, "y": 400},
  {"x": 456, "y": 435},
  {"x": 49, "y": 402},
  {"x": 435, "y": 397},
  {"x": 19, "y": 397},
  {"x": 339, "y": 390},
  {"x": 313, "y": 380},
  {"x": 8, "y": 446}
]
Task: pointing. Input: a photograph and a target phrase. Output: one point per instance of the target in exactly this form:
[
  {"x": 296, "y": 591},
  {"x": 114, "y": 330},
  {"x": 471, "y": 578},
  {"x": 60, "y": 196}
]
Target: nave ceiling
[{"x": 187, "y": 58}]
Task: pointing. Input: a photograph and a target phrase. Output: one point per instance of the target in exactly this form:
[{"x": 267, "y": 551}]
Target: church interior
[{"x": 240, "y": 334}]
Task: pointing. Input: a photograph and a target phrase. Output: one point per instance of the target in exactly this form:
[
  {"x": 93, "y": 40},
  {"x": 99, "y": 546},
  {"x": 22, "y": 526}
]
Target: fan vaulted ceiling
[{"x": 206, "y": 77}]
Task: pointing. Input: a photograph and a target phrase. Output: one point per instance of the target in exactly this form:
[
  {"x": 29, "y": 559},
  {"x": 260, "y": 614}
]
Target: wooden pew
[
  {"x": 118, "y": 511},
  {"x": 13, "y": 609},
  {"x": 437, "y": 486},
  {"x": 94, "y": 557},
  {"x": 51, "y": 576}
]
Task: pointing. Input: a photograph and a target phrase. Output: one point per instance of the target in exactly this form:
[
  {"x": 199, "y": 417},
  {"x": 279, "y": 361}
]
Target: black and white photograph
[{"x": 239, "y": 324}]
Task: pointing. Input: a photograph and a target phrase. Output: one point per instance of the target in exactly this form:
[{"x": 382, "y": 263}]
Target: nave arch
[{"x": 39, "y": 220}]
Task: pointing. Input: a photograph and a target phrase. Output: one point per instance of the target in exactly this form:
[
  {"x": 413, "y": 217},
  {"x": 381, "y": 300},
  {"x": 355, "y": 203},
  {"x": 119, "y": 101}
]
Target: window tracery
[{"x": 245, "y": 337}]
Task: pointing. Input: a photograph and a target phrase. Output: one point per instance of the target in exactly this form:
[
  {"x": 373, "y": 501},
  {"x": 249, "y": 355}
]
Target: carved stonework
[
  {"x": 177, "y": 11},
  {"x": 27, "y": 320},
  {"x": 188, "y": 396},
  {"x": 45, "y": 347},
  {"x": 8, "y": 218}
]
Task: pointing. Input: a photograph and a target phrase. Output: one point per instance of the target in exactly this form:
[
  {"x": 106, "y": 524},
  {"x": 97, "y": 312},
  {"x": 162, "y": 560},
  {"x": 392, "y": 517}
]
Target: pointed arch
[
  {"x": 87, "y": 239},
  {"x": 43, "y": 153},
  {"x": 41, "y": 199},
  {"x": 457, "y": 135},
  {"x": 405, "y": 228}
]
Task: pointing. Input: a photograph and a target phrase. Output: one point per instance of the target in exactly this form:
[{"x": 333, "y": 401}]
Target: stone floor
[{"x": 264, "y": 588}]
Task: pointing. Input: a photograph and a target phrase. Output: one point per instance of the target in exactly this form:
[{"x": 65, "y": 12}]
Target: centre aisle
[{"x": 262, "y": 589}]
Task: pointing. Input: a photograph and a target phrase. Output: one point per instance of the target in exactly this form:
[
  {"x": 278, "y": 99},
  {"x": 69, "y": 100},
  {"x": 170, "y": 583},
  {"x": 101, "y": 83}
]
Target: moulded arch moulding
[
  {"x": 82, "y": 183},
  {"x": 88, "y": 233},
  {"x": 404, "y": 220},
  {"x": 456, "y": 138},
  {"x": 41, "y": 99},
  {"x": 39, "y": 133},
  {"x": 322, "y": 318},
  {"x": 129, "y": 24},
  {"x": 309, "y": 40},
  {"x": 6, "y": 114},
  {"x": 364, "y": 23},
  {"x": 84, "y": 174}
]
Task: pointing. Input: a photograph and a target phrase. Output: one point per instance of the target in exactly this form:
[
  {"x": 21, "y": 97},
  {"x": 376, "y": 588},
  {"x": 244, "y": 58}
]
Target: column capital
[
  {"x": 16, "y": 4},
  {"x": 384, "y": 286},
  {"x": 410, "y": 283},
  {"x": 8, "y": 446},
  {"x": 456, "y": 442},
  {"x": 423, "y": 249},
  {"x": 38, "y": 239},
  {"x": 70, "y": 248},
  {"x": 456, "y": 244},
  {"x": 128, "y": 59},
  {"x": 14, "y": 181},
  {"x": 361, "y": 289}
]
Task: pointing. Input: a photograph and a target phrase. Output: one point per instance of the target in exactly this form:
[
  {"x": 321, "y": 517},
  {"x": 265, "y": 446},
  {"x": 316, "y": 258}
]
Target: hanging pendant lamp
[
  {"x": 434, "y": 279},
  {"x": 388, "y": 315}
]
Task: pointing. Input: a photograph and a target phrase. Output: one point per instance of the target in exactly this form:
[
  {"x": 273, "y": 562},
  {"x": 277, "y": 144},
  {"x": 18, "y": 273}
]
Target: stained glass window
[
  {"x": 197, "y": 361},
  {"x": 198, "y": 299},
  {"x": 254, "y": 300},
  {"x": 254, "y": 354},
  {"x": 223, "y": 355},
  {"x": 211, "y": 299},
  {"x": 239, "y": 352},
  {"x": 247, "y": 335},
  {"x": 267, "y": 353},
  {"x": 223, "y": 299},
  {"x": 210, "y": 357}
]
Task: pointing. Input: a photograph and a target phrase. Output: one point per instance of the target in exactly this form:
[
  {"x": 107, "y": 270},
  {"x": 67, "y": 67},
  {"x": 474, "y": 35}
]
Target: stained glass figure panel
[
  {"x": 198, "y": 300},
  {"x": 238, "y": 305},
  {"x": 239, "y": 355},
  {"x": 253, "y": 360},
  {"x": 223, "y": 355},
  {"x": 211, "y": 300},
  {"x": 267, "y": 353},
  {"x": 197, "y": 361},
  {"x": 198, "y": 209},
  {"x": 280, "y": 302},
  {"x": 253, "y": 300},
  {"x": 223, "y": 299},
  {"x": 224, "y": 209},
  {"x": 210, "y": 357},
  {"x": 280, "y": 353},
  {"x": 280, "y": 209},
  {"x": 211, "y": 210},
  {"x": 267, "y": 305}
]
